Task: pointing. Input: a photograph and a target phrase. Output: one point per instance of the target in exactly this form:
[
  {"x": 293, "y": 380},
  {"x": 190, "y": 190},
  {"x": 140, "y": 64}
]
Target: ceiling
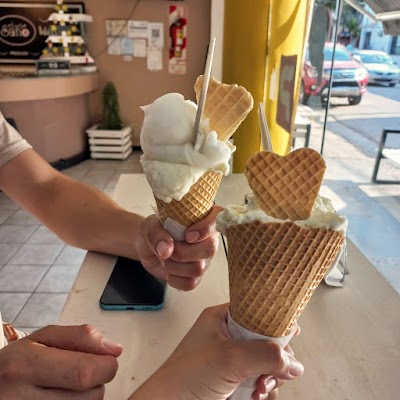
[{"x": 386, "y": 11}]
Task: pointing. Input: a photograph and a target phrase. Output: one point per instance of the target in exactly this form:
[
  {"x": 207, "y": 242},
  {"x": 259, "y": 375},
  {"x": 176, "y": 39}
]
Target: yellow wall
[
  {"x": 257, "y": 33},
  {"x": 244, "y": 63},
  {"x": 287, "y": 32}
]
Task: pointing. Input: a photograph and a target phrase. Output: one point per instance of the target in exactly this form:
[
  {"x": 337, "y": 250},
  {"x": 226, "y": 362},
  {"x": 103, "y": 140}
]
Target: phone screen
[{"x": 131, "y": 287}]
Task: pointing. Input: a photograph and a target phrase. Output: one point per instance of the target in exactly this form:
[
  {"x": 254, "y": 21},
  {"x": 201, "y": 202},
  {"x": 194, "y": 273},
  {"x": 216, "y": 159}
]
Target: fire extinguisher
[{"x": 176, "y": 34}]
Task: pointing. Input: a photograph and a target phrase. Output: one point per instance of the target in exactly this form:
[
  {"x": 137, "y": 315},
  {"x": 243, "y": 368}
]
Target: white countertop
[{"x": 350, "y": 341}]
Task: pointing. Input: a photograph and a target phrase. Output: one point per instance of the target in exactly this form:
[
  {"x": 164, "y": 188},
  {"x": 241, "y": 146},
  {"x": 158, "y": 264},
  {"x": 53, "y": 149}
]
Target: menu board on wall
[{"x": 24, "y": 29}]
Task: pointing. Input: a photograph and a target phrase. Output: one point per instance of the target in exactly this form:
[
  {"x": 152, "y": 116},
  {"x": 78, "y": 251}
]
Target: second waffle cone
[{"x": 274, "y": 269}]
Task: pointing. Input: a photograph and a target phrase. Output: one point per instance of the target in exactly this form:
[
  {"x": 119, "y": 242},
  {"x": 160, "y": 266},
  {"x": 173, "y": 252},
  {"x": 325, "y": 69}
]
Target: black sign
[
  {"x": 53, "y": 67},
  {"x": 24, "y": 29},
  {"x": 287, "y": 78},
  {"x": 54, "y": 64}
]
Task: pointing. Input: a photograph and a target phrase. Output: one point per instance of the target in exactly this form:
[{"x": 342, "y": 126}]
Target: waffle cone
[
  {"x": 226, "y": 106},
  {"x": 286, "y": 186},
  {"x": 274, "y": 269},
  {"x": 195, "y": 204}
]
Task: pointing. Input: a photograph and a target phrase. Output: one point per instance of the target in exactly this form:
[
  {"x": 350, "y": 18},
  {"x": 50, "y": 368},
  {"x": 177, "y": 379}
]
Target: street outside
[
  {"x": 379, "y": 109},
  {"x": 352, "y": 138}
]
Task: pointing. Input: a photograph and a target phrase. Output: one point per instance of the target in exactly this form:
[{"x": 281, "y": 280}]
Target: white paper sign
[
  {"x": 127, "y": 46},
  {"x": 138, "y": 29},
  {"x": 116, "y": 27},
  {"x": 139, "y": 48},
  {"x": 114, "y": 46},
  {"x": 154, "y": 58},
  {"x": 156, "y": 34}
]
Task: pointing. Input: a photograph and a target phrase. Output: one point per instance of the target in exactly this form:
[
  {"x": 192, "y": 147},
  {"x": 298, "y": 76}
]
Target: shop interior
[{"x": 62, "y": 80}]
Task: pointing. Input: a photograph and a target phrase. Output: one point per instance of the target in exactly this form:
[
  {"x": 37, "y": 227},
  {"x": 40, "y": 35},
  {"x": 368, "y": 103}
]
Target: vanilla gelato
[
  {"x": 170, "y": 161},
  {"x": 323, "y": 216}
]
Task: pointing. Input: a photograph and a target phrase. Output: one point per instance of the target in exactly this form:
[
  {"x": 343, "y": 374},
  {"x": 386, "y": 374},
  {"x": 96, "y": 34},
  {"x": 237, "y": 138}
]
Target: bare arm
[{"x": 80, "y": 215}]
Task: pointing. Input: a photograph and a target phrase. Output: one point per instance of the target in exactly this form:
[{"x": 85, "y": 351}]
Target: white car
[{"x": 381, "y": 68}]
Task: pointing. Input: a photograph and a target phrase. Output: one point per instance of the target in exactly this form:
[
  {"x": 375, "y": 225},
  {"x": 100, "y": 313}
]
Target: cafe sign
[
  {"x": 24, "y": 29},
  {"x": 16, "y": 30}
]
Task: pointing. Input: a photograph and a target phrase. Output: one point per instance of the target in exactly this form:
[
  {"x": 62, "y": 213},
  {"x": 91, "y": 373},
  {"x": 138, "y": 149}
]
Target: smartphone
[{"x": 131, "y": 287}]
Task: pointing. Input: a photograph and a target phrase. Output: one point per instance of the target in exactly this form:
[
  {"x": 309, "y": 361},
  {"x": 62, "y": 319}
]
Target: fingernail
[
  {"x": 162, "y": 247},
  {"x": 191, "y": 237},
  {"x": 295, "y": 368},
  {"x": 270, "y": 384},
  {"x": 110, "y": 345},
  {"x": 264, "y": 396}
]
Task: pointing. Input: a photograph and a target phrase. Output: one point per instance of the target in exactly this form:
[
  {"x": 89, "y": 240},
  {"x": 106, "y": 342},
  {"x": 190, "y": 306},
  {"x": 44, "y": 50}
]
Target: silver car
[{"x": 381, "y": 68}]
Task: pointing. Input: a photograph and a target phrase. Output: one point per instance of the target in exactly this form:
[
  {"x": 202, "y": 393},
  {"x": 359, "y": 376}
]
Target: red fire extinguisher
[{"x": 176, "y": 34}]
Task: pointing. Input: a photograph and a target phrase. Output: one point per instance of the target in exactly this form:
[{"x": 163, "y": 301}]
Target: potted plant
[{"x": 110, "y": 138}]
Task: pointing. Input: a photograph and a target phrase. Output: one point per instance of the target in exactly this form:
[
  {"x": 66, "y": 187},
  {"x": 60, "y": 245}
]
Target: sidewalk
[{"x": 373, "y": 210}]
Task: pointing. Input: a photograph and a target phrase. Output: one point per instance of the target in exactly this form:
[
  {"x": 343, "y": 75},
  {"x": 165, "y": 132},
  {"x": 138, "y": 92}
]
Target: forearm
[
  {"x": 84, "y": 217},
  {"x": 79, "y": 214},
  {"x": 160, "y": 386}
]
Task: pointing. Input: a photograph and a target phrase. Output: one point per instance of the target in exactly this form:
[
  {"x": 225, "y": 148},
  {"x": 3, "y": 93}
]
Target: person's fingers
[
  {"x": 273, "y": 395},
  {"x": 204, "y": 228},
  {"x": 180, "y": 283},
  {"x": 185, "y": 252},
  {"x": 298, "y": 331},
  {"x": 96, "y": 393},
  {"x": 255, "y": 395},
  {"x": 186, "y": 270},
  {"x": 157, "y": 238},
  {"x": 82, "y": 338},
  {"x": 212, "y": 322},
  {"x": 279, "y": 382},
  {"x": 65, "y": 369},
  {"x": 289, "y": 350},
  {"x": 264, "y": 382},
  {"x": 259, "y": 357}
]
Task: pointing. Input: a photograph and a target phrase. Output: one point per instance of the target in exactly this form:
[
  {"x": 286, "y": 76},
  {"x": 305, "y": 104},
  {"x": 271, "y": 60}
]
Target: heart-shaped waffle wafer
[
  {"x": 286, "y": 187},
  {"x": 226, "y": 106}
]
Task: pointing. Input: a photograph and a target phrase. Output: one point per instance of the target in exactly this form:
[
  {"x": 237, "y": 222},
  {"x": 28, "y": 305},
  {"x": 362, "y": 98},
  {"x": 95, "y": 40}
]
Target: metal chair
[{"x": 391, "y": 154}]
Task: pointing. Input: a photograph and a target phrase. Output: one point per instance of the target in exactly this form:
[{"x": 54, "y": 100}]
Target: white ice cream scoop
[{"x": 169, "y": 120}]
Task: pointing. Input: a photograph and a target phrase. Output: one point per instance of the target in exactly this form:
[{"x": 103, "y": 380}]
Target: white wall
[
  {"x": 217, "y": 31},
  {"x": 379, "y": 41}
]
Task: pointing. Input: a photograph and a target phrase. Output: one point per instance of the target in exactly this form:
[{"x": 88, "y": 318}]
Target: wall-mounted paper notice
[
  {"x": 139, "y": 47},
  {"x": 114, "y": 46},
  {"x": 156, "y": 34},
  {"x": 154, "y": 58},
  {"x": 127, "y": 46},
  {"x": 138, "y": 29},
  {"x": 116, "y": 27}
]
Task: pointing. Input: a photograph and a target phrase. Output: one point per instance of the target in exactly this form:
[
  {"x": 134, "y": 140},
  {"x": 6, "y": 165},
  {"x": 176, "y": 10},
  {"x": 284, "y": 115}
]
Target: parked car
[
  {"x": 381, "y": 68},
  {"x": 350, "y": 78}
]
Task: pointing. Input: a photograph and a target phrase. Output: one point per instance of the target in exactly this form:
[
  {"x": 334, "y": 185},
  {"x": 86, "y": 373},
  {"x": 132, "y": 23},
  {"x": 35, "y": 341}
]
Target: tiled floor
[{"x": 37, "y": 269}]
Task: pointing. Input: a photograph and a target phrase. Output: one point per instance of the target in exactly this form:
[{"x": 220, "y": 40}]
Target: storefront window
[
  {"x": 332, "y": 69},
  {"x": 395, "y": 48}
]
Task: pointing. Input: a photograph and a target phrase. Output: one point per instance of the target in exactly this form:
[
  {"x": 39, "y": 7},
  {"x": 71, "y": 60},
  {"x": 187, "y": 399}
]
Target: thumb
[
  {"x": 82, "y": 338},
  {"x": 158, "y": 239},
  {"x": 204, "y": 228},
  {"x": 266, "y": 358}
]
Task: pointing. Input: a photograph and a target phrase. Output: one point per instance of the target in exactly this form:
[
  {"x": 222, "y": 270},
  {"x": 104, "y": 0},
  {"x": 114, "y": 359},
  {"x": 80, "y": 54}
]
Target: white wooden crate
[
  {"x": 114, "y": 156},
  {"x": 110, "y": 144}
]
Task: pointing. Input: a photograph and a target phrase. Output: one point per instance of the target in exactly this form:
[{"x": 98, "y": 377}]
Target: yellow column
[
  {"x": 244, "y": 63},
  {"x": 287, "y": 33},
  {"x": 257, "y": 33}
]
